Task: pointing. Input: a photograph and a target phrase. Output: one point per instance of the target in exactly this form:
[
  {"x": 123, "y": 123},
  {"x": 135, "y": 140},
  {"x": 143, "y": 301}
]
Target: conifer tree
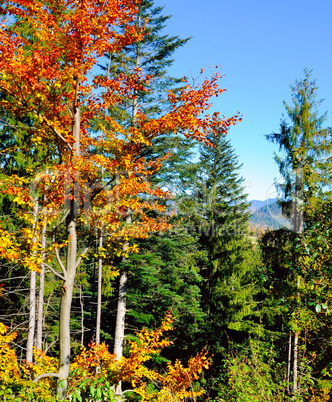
[
  {"x": 222, "y": 221},
  {"x": 221, "y": 216},
  {"x": 152, "y": 55},
  {"x": 164, "y": 276},
  {"x": 307, "y": 147}
]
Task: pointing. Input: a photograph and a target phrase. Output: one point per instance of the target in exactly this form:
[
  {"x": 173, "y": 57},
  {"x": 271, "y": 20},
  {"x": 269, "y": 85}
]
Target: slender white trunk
[
  {"x": 121, "y": 315},
  {"x": 39, "y": 334},
  {"x": 120, "y": 321},
  {"x": 82, "y": 317},
  {"x": 32, "y": 317},
  {"x": 121, "y": 312},
  {"x": 100, "y": 276},
  {"x": 298, "y": 228},
  {"x": 32, "y": 298},
  {"x": 295, "y": 365},
  {"x": 122, "y": 301},
  {"x": 289, "y": 361}
]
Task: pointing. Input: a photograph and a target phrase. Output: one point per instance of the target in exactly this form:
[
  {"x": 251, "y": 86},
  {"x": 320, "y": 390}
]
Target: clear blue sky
[{"x": 262, "y": 46}]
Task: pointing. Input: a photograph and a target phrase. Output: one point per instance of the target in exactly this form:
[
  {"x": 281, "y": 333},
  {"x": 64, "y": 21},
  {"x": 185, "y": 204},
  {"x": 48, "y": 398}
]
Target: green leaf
[
  {"x": 77, "y": 395},
  {"x": 92, "y": 390},
  {"x": 318, "y": 308}
]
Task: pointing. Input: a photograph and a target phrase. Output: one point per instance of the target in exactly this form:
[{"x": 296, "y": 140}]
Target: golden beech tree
[
  {"x": 89, "y": 179},
  {"x": 95, "y": 371},
  {"x": 174, "y": 385}
]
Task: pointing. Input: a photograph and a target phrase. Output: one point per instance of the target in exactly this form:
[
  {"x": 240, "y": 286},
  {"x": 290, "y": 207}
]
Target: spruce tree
[
  {"x": 222, "y": 219},
  {"x": 220, "y": 211},
  {"x": 164, "y": 276},
  {"x": 153, "y": 56},
  {"x": 307, "y": 147}
]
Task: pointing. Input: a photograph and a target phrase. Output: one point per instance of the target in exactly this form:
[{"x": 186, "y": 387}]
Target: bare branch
[
  {"x": 80, "y": 257},
  {"x": 56, "y": 273},
  {"x": 59, "y": 261},
  {"x": 50, "y": 345},
  {"x": 57, "y": 250},
  {"x": 46, "y": 375},
  {"x": 13, "y": 278}
]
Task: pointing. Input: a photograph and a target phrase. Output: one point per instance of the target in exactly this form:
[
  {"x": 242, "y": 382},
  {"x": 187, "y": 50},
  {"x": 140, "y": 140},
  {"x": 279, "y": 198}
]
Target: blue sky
[{"x": 262, "y": 47}]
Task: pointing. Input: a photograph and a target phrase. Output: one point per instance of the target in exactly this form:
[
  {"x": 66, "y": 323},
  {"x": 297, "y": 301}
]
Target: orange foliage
[
  {"x": 16, "y": 379},
  {"x": 46, "y": 75},
  {"x": 175, "y": 384},
  {"x": 9, "y": 366},
  {"x": 98, "y": 363}
]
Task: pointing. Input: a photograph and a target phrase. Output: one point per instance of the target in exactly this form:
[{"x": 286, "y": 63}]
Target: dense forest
[{"x": 131, "y": 266}]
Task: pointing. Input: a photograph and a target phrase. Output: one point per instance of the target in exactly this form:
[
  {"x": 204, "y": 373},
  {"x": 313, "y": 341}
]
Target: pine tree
[
  {"x": 222, "y": 221},
  {"x": 152, "y": 56},
  {"x": 307, "y": 147},
  {"x": 228, "y": 267}
]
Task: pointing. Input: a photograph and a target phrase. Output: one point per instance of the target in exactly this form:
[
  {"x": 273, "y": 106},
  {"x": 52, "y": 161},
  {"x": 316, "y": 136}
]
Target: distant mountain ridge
[
  {"x": 267, "y": 214},
  {"x": 257, "y": 204}
]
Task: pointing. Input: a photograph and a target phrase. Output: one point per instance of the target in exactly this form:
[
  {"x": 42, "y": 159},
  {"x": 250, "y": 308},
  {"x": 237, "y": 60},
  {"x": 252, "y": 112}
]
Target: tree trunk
[
  {"x": 32, "y": 317},
  {"x": 32, "y": 298},
  {"x": 70, "y": 270},
  {"x": 82, "y": 317},
  {"x": 65, "y": 307},
  {"x": 120, "y": 321},
  {"x": 298, "y": 228},
  {"x": 121, "y": 315},
  {"x": 121, "y": 312},
  {"x": 295, "y": 366},
  {"x": 39, "y": 334},
  {"x": 100, "y": 277},
  {"x": 289, "y": 361},
  {"x": 122, "y": 300}
]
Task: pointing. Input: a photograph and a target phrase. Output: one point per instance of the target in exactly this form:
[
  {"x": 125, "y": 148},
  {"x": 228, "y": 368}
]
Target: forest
[{"x": 128, "y": 267}]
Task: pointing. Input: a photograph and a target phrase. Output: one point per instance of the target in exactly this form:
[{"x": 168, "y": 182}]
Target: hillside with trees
[
  {"x": 268, "y": 217},
  {"x": 128, "y": 263}
]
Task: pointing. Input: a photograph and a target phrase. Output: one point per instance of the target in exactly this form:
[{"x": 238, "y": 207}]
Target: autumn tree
[{"x": 92, "y": 179}]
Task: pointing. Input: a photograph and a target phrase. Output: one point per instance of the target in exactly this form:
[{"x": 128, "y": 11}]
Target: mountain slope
[{"x": 267, "y": 214}]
